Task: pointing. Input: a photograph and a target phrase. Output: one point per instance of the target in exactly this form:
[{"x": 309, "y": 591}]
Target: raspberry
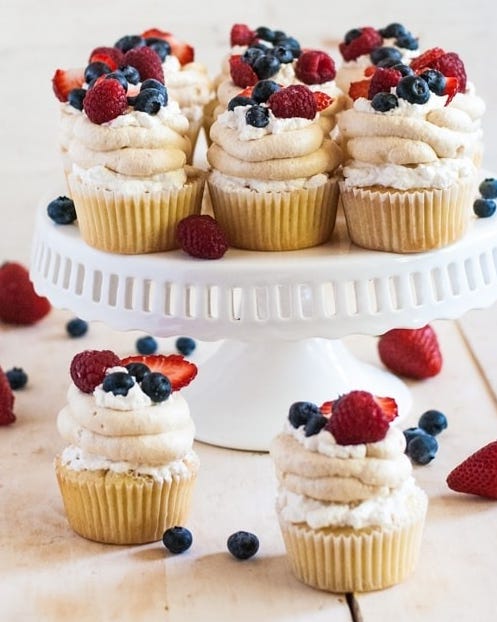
[
  {"x": 19, "y": 303},
  {"x": 451, "y": 66},
  {"x": 357, "y": 418},
  {"x": 382, "y": 81},
  {"x": 322, "y": 100},
  {"x": 202, "y": 237},
  {"x": 315, "y": 67},
  {"x": 146, "y": 61},
  {"x": 6, "y": 401},
  {"x": 241, "y": 72},
  {"x": 368, "y": 40},
  {"x": 105, "y": 101},
  {"x": 112, "y": 57},
  {"x": 359, "y": 89},
  {"x": 241, "y": 34},
  {"x": 293, "y": 101},
  {"x": 425, "y": 60},
  {"x": 88, "y": 368}
]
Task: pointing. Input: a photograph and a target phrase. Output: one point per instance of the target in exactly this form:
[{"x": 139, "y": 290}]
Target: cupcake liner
[
  {"x": 348, "y": 560},
  {"x": 116, "y": 508},
  {"x": 407, "y": 221},
  {"x": 117, "y": 222},
  {"x": 276, "y": 221}
]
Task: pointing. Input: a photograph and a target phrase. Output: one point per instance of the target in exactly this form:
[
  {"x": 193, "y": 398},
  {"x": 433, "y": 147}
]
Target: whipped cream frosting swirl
[{"x": 189, "y": 85}]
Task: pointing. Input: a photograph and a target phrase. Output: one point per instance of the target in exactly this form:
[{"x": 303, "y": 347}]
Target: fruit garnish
[
  {"x": 112, "y": 57},
  {"x": 383, "y": 79},
  {"x": 6, "y": 401},
  {"x": 388, "y": 405},
  {"x": 105, "y": 101},
  {"x": 360, "y": 41},
  {"x": 426, "y": 59},
  {"x": 201, "y": 236},
  {"x": 184, "y": 52},
  {"x": 19, "y": 303},
  {"x": 241, "y": 34},
  {"x": 174, "y": 366},
  {"x": 322, "y": 100},
  {"x": 413, "y": 353},
  {"x": 326, "y": 408},
  {"x": 241, "y": 72},
  {"x": 359, "y": 89},
  {"x": 146, "y": 61},
  {"x": 88, "y": 368},
  {"x": 477, "y": 475},
  {"x": 448, "y": 63},
  {"x": 65, "y": 80},
  {"x": 293, "y": 101},
  {"x": 315, "y": 67}
]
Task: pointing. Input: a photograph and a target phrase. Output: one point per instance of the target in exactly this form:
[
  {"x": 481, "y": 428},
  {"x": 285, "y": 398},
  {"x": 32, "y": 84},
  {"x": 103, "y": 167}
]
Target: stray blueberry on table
[
  {"x": 61, "y": 210},
  {"x": 118, "y": 383},
  {"x": 185, "y": 345},
  {"x": 156, "y": 386},
  {"x": 433, "y": 422},
  {"x": 177, "y": 539},
  {"x": 146, "y": 345},
  {"x": 17, "y": 378},
  {"x": 76, "y": 327},
  {"x": 484, "y": 208},
  {"x": 488, "y": 188},
  {"x": 422, "y": 448},
  {"x": 300, "y": 412},
  {"x": 243, "y": 544},
  {"x": 411, "y": 433}
]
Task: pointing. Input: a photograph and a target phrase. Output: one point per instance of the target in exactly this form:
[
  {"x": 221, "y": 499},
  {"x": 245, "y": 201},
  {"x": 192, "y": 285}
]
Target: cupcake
[
  {"x": 409, "y": 174},
  {"x": 128, "y": 470},
  {"x": 350, "y": 512},
  {"x": 273, "y": 184}
]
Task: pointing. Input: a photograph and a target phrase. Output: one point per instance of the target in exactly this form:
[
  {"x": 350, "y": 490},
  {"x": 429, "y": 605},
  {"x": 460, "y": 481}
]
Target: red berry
[
  {"x": 293, "y": 101},
  {"x": 146, "y": 61},
  {"x": 19, "y": 303},
  {"x": 112, "y": 57},
  {"x": 451, "y": 89},
  {"x": 359, "y": 89},
  {"x": 241, "y": 72},
  {"x": 179, "y": 371},
  {"x": 322, "y": 100},
  {"x": 477, "y": 475},
  {"x": 65, "y": 80},
  {"x": 88, "y": 368},
  {"x": 6, "y": 401},
  {"x": 357, "y": 418},
  {"x": 452, "y": 66},
  {"x": 241, "y": 34},
  {"x": 105, "y": 101},
  {"x": 315, "y": 67},
  {"x": 202, "y": 237},
  {"x": 183, "y": 51},
  {"x": 413, "y": 353},
  {"x": 425, "y": 60},
  {"x": 365, "y": 43},
  {"x": 382, "y": 81}
]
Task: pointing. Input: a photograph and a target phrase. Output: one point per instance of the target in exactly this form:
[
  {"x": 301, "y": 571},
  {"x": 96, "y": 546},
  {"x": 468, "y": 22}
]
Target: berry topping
[
  {"x": 138, "y": 370},
  {"x": 422, "y": 448},
  {"x": 300, "y": 412},
  {"x": 19, "y": 303},
  {"x": 178, "y": 370},
  {"x": 315, "y": 67},
  {"x": 315, "y": 424},
  {"x": 243, "y": 544},
  {"x": 241, "y": 34},
  {"x": 413, "y": 89},
  {"x": 293, "y": 101},
  {"x": 326, "y": 408},
  {"x": 146, "y": 61},
  {"x": 385, "y": 53},
  {"x": 356, "y": 45},
  {"x": 436, "y": 81},
  {"x": 76, "y": 327},
  {"x": 149, "y": 101},
  {"x": 484, "y": 208},
  {"x": 118, "y": 383},
  {"x": 393, "y": 30},
  {"x": 452, "y": 66},
  {"x": 426, "y": 59},
  {"x": 6, "y": 401},
  {"x": 130, "y": 73},
  {"x": 17, "y": 378},
  {"x": 156, "y": 386},
  {"x": 358, "y": 417},
  {"x": 177, "y": 539},
  {"x": 201, "y": 236},
  {"x": 240, "y": 100},
  {"x": 160, "y": 46},
  {"x": 88, "y": 368},
  {"x": 65, "y": 80},
  {"x": 119, "y": 76},
  {"x": 105, "y": 101},
  {"x": 488, "y": 188},
  {"x": 76, "y": 98},
  {"x": 389, "y": 406},
  {"x": 266, "y": 65},
  {"x": 128, "y": 42},
  {"x": 241, "y": 72},
  {"x": 61, "y": 210},
  {"x": 382, "y": 102},
  {"x": 359, "y": 89},
  {"x": 322, "y": 100},
  {"x": 477, "y": 475},
  {"x": 112, "y": 57},
  {"x": 183, "y": 51},
  {"x": 433, "y": 422},
  {"x": 257, "y": 116},
  {"x": 413, "y": 353},
  {"x": 265, "y": 33},
  {"x": 146, "y": 345},
  {"x": 383, "y": 79},
  {"x": 95, "y": 70},
  {"x": 283, "y": 54},
  {"x": 185, "y": 345},
  {"x": 263, "y": 90}
]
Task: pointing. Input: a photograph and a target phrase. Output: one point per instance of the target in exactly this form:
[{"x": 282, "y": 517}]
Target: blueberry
[
  {"x": 251, "y": 54},
  {"x": 407, "y": 42},
  {"x": 433, "y": 422},
  {"x": 76, "y": 327},
  {"x": 278, "y": 35},
  {"x": 382, "y": 102},
  {"x": 488, "y": 188},
  {"x": 151, "y": 83},
  {"x": 484, "y": 208},
  {"x": 413, "y": 89},
  {"x": 410, "y": 433},
  {"x": 265, "y": 33},
  {"x": 185, "y": 345},
  {"x": 240, "y": 100},
  {"x": 130, "y": 73},
  {"x": 436, "y": 81},
  {"x": 138, "y": 370},
  {"x": 422, "y": 448},
  {"x": 352, "y": 34},
  {"x": 257, "y": 116},
  {"x": 61, "y": 210},
  {"x": 120, "y": 77},
  {"x": 129, "y": 42},
  {"x": 160, "y": 46},
  {"x": 290, "y": 43},
  {"x": 76, "y": 98},
  {"x": 300, "y": 412},
  {"x": 243, "y": 544},
  {"x": 266, "y": 66},
  {"x": 131, "y": 100},
  {"x": 146, "y": 345},
  {"x": 404, "y": 70},
  {"x": 17, "y": 378},
  {"x": 177, "y": 539},
  {"x": 283, "y": 54},
  {"x": 314, "y": 424},
  {"x": 393, "y": 30},
  {"x": 156, "y": 386},
  {"x": 263, "y": 90},
  {"x": 95, "y": 70},
  {"x": 118, "y": 383},
  {"x": 149, "y": 101},
  {"x": 383, "y": 53}
]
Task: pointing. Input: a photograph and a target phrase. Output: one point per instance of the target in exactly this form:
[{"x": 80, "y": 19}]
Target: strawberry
[
  {"x": 451, "y": 66},
  {"x": 241, "y": 72},
  {"x": 202, "y": 237},
  {"x": 477, "y": 475},
  {"x": 368, "y": 39},
  {"x": 241, "y": 34},
  {"x": 322, "y": 100},
  {"x": 156, "y": 33},
  {"x": 293, "y": 101},
  {"x": 383, "y": 79},
  {"x": 247, "y": 92},
  {"x": 357, "y": 418},
  {"x": 105, "y": 101},
  {"x": 112, "y": 57},
  {"x": 369, "y": 71},
  {"x": 451, "y": 88},
  {"x": 88, "y": 368},
  {"x": 315, "y": 67},
  {"x": 426, "y": 59},
  {"x": 6, "y": 401},
  {"x": 146, "y": 61},
  {"x": 179, "y": 371},
  {"x": 413, "y": 353},
  {"x": 359, "y": 89},
  {"x": 388, "y": 405},
  {"x": 19, "y": 303},
  {"x": 326, "y": 408},
  {"x": 184, "y": 52},
  {"x": 65, "y": 80}
]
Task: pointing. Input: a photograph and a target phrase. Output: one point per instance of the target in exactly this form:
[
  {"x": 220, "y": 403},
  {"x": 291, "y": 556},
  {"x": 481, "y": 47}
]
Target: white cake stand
[{"x": 281, "y": 315}]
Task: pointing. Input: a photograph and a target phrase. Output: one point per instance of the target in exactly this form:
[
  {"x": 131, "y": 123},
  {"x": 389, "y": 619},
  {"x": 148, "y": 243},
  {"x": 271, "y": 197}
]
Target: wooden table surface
[{"x": 49, "y": 574}]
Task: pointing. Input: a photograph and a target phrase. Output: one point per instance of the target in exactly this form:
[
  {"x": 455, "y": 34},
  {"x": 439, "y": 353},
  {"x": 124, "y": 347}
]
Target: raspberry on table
[{"x": 201, "y": 236}]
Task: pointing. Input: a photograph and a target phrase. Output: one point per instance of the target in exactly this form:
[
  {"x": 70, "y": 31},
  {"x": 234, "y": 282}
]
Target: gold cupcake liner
[
  {"x": 276, "y": 221},
  {"x": 145, "y": 222},
  {"x": 407, "y": 221},
  {"x": 116, "y": 508}
]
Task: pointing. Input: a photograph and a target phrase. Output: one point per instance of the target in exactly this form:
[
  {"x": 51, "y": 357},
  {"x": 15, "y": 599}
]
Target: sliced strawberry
[
  {"x": 112, "y": 57},
  {"x": 451, "y": 89},
  {"x": 388, "y": 405},
  {"x": 65, "y": 80},
  {"x": 369, "y": 71},
  {"x": 247, "y": 92},
  {"x": 156, "y": 33},
  {"x": 359, "y": 89},
  {"x": 184, "y": 52},
  {"x": 322, "y": 100},
  {"x": 326, "y": 408},
  {"x": 179, "y": 371},
  {"x": 425, "y": 60}
]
